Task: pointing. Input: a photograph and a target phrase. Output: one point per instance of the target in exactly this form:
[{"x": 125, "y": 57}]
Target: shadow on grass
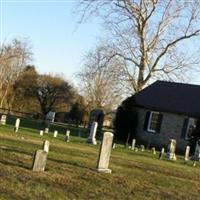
[
  {"x": 22, "y": 165},
  {"x": 16, "y": 151},
  {"x": 72, "y": 163}
]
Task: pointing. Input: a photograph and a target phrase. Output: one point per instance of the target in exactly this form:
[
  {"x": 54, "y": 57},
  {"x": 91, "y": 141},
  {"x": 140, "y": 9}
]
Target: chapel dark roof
[{"x": 171, "y": 97}]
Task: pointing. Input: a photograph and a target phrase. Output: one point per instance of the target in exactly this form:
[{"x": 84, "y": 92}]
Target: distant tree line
[{"x": 23, "y": 89}]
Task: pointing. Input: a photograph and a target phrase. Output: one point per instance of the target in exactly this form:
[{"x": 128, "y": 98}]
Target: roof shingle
[{"x": 171, "y": 97}]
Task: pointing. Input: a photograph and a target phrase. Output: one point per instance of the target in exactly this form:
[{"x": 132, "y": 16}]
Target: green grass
[{"x": 70, "y": 171}]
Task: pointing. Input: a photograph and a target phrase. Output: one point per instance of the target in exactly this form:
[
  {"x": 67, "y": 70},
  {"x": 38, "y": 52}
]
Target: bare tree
[
  {"x": 153, "y": 38},
  {"x": 14, "y": 57},
  {"x": 99, "y": 80}
]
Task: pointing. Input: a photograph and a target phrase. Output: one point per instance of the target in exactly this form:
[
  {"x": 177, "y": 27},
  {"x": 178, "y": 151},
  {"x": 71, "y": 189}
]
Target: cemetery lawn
[{"x": 70, "y": 171}]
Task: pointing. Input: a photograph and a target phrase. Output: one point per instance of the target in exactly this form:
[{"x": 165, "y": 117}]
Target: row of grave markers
[
  {"x": 171, "y": 150},
  {"x": 103, "y": 157},
  {"x": 40, "y": 156}
]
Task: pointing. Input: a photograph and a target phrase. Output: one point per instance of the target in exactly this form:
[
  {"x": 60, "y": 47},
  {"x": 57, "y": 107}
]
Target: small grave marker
[
  {"x": 161, "y": 154},
  {"x": 142, "y": 147},
  {"x": 55, "y": 133},
  {"x": 67, "y": 136},
  {"x": 187, "y": 152},
  {"x": 133, "y": 144},
  {"x": 46, "y": 146},
  {"x": 171, "y": 150},
  {"x": 196, "y": 156},
  {"x": 17, "y": 123},
  {"x": 41, "y": 132},
  {"x": 3, "y": 119},
  {"x": 153, "y": 150},
  {"x": 46, "y": 130}
]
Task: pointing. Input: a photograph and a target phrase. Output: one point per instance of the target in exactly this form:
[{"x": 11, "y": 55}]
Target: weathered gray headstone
[
  {"x": 161, "y": 154},
  {"x": 171, "y": 150},
  {"x": 104, "y": 154},
  {"x": 67, "y": 136},
  {"x": 55, "y": 133},
  {"x": 187, "y": 153},
  {"x": 197, "y": 151},
  {"x": 17, "y": 123},
  {"x": 153, "y": 150},
  {"x": 46, "y": 146},
  {"x": 142, "y": 147},
  {"x": 92, "y": 137},
  {"x": 79, "y": 133},
  {"x": 3, "y": 119},
  {"x": 39, "y": 160},
  {"x": 41, "y": 132},
  {"x": 46, "y": 130},
  {"x": 133, "y": 144}
]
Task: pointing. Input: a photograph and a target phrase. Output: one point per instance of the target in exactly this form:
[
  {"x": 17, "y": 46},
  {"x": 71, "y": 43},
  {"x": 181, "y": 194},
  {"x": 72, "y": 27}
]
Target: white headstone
[
  {"x": 104, "y": 153},
  {"x": 171, "y": 150},
  {"x": 41, "y": 132},
  {"x": 187, "y": 153},
  {"x": 55, "y": 133},
  {"x": 3, "y": 119},
  {"x": 67, "y": 136},
  {"x": 46, "y": 130},
  {"x": 114, "y": 146},
  {"x": 92, "y": 137},
  {"x": 133, "y": 144},
  {"x": 46, "y": 146},
  {"x": 17, "y": 123}
]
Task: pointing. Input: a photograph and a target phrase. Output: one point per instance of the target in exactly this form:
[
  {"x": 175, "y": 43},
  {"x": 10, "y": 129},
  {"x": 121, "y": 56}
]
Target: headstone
[
  {"x": 114, "y": 146},
  {"x": 41, "y": 132},
  {"x": 3, "y": 119},
  {"x": 17, "y": 123},
  {"x": 153, "y": 150},
  {"x": 67, "y": 136},
  {"x": 142, "y": 147},
  {"x": 39, "y": 160},
  {"x": 187, "y": 153},
  {"x": 133, "y": 144},
  {"x": 96, "y": 115},
  {"x": 196, "y": 156},
  {"x": 79, "y": 133},
  {"x": 91, "y": 139},
  {"x": 161, "y": 154},
  {"x": 171, "y": 150},
  {"x": 50, "y": 116},
  {"x": 46, "y": 130},
  {"x": 104, "y": 154},
  {"x": 46, "y": 146},
  {"x": 136, "y": 149},
  {"x": 55, "y": 133}
]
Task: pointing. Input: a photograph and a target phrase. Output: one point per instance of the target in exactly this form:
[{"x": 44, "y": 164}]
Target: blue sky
[{"x": 58, "y": 45}]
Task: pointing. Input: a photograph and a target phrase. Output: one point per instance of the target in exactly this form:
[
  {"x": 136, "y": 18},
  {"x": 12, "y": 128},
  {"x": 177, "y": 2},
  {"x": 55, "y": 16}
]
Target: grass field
[{"x": 70, "y": 171}]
